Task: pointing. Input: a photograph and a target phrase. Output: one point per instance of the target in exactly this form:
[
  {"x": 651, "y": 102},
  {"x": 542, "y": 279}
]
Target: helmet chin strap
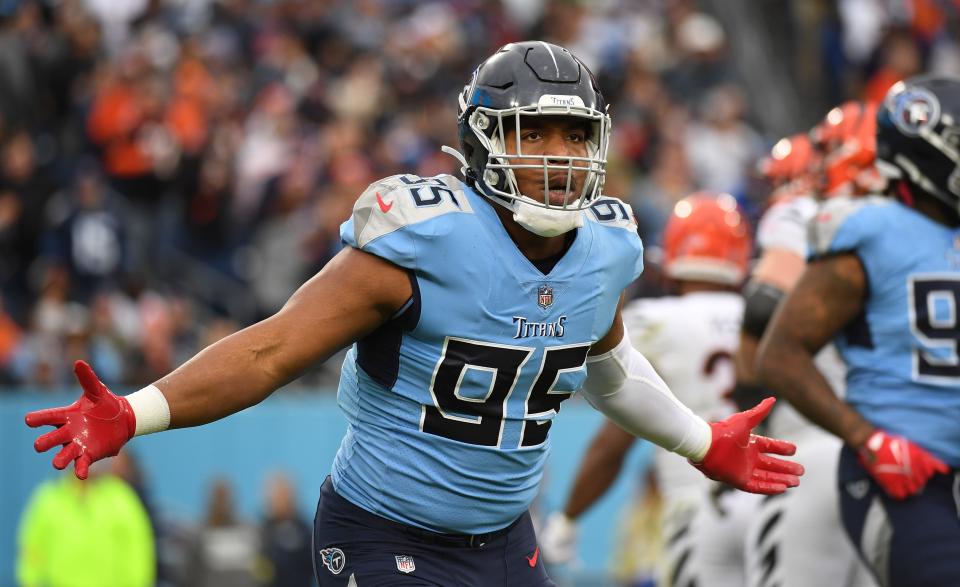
[{"x": 544, "y": 221}]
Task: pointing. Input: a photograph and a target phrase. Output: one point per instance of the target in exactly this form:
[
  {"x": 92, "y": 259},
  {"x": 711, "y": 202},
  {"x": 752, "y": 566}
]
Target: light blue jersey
[
  {"x": 449, "y": 404},
  {"x": 902, "y": 353}
]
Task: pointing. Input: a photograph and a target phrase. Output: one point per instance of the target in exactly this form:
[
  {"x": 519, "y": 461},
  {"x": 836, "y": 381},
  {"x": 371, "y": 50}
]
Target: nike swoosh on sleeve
[{"x": 384, "y": 206}]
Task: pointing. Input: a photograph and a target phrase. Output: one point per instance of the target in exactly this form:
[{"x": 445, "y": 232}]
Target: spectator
[
  {"x": 234, "y": 136},
  {"x": 87, "y": 234},
  {"x": 24, "y": 192},
  {"x": 899, "y": 59},
  {"x": 225, "y": 553},
  {"x": 286, "y": 537},
  {"x": 723, "y": 147},
  {"x": 81, "y": 533},
  {"x": 10, "y": 334}
]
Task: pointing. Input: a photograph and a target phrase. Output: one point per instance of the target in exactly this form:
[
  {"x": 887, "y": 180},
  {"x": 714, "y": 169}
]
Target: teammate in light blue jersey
[
  {"x": 884, "y": 282},
  {"x": 903, "y": 373},
  {"x": 474, "y": 309}
]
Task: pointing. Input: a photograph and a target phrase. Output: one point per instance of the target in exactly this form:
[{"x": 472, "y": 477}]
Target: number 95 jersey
[
  {"x": 903, "y": 367},
  {"x": 449, "y": 404}
]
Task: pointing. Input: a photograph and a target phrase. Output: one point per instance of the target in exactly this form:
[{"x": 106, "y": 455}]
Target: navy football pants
[
  {"x": 906, "y": 543},
  {"x": 352, "y": 546}
]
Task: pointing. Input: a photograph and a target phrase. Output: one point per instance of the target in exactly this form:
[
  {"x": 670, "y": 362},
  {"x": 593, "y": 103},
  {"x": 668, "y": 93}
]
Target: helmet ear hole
[
  {"x": 496, "y": 178},
  {"x": 481, "y": 120}
]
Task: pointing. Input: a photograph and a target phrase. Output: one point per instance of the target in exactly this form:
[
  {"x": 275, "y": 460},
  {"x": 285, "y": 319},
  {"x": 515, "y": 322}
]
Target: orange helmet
[
  {"x": 791, "y": 166},
  {"x": 707, "y": 239},
  {"x": 791, "y": 158},
  {"x": 847, "y": 137}
]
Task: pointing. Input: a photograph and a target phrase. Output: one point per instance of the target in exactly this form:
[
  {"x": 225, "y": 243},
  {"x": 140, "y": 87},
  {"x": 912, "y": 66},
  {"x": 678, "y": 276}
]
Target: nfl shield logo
[
  {"x": 545, "y": 296},
  {"x": 405, "y": 563}
]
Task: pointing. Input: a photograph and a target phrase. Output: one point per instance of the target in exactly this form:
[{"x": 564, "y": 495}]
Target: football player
[
  {"x": 790, "y": 167},
  {"x": 473, "y": 309},
  {"x": 847, "y": 142},
  {"x": 883, "y": 284},
  {"x": 690, "y": 338},
  {"x": 798, "y": 540}
]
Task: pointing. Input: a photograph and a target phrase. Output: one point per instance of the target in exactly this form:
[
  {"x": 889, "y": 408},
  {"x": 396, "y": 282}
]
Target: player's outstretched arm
[
  {"x": 828, "y": 296},
  {"x": 623, "y": 385},
  {"x": 351, "y": 296},
  {"x": 776, "y": 273},
  {"x": 599, "y": 468},
  {"x": 354, "y": 294}
]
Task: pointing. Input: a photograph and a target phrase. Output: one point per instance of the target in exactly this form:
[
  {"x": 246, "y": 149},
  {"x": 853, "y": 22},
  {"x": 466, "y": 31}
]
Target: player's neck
[
  {"x": 533, "y": 246},
  {"x": 937, "y": 211}
]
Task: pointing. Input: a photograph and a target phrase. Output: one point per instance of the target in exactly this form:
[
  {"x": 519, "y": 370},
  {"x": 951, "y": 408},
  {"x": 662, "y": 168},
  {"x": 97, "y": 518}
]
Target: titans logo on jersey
[
  {"x": 450, "y": 403},
  {"x": 902, "y": 353}
]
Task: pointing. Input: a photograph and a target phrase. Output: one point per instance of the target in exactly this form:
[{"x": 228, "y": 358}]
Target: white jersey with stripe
[
  {"x": 796, "y": 539},
  {"x": 690, "y": 340}
]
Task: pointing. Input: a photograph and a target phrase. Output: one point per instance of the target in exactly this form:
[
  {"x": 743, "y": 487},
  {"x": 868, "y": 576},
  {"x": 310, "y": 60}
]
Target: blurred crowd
[
  {"x": 107, "y": 531},
  {"x": 172, "y": 170}
]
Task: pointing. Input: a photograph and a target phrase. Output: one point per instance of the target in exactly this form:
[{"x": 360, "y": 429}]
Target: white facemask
[{"x": 533, "y": 217}]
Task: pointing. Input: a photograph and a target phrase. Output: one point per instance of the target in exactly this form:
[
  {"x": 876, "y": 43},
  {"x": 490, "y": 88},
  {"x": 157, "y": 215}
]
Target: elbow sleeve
[
  {"x": 760, "y": 302},
  {"x": 624, "y": 386}
]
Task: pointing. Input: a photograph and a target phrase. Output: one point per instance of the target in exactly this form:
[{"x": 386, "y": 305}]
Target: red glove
[
  {"x": 94, "y": 427},
  {"x": 736, "y": 457},
  {"x": 901, "y": 467}
]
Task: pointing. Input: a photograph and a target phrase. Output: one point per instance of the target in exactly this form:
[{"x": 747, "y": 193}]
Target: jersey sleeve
[
  {"x": 393, "y": 215},
  {"x": 785, "y": 226},
  {"x": 844, "y": 225},
  {"x": 617, "y": 222}
]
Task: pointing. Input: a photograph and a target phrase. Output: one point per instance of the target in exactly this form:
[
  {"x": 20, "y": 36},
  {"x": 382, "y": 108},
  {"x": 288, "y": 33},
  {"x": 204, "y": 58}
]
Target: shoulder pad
[
  {"x": 784, "y": 225},
  {"x": 610, "y": 211},
  {"x": 646, "y": 320},
  {"x": 624, "y": 250},
  {"x": 644, "y": 315},
  {"x": 402, "y": 200},
  {"x": 833, "y": 229}
]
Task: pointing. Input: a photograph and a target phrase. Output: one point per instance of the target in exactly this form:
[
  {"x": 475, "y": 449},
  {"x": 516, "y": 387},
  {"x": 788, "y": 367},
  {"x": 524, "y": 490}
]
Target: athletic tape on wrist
[{"x": 151, "y": 410}]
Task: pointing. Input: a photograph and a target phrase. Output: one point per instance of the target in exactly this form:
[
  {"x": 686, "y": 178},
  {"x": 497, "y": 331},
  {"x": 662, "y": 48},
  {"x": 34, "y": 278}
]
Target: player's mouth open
[{"x": 559, "y": 194}]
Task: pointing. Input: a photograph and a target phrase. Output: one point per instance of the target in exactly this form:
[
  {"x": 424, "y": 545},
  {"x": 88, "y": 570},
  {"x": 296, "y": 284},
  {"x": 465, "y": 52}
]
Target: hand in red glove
[
  {"x": 737, "y": 457},
  {"x": 94, "y": 427},
  {"x": 901, "y": 467}
]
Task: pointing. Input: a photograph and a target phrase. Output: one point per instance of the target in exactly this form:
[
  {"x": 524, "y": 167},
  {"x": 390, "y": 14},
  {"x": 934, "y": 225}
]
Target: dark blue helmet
[
  {"x": 532, "y": 78},
  {"x": 918, "y": 137}
]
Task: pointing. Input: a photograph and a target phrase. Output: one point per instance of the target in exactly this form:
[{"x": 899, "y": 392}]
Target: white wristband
[{"x": 151, "y": 410}]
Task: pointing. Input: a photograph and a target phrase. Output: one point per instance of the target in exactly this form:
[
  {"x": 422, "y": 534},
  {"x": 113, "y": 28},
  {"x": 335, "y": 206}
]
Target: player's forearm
[
  {"x": 600, "y": 467},
  {"x": 788, "y": 369},
  {"x": 623, "y": 385},
  {"x": 231, "y": 375}
]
